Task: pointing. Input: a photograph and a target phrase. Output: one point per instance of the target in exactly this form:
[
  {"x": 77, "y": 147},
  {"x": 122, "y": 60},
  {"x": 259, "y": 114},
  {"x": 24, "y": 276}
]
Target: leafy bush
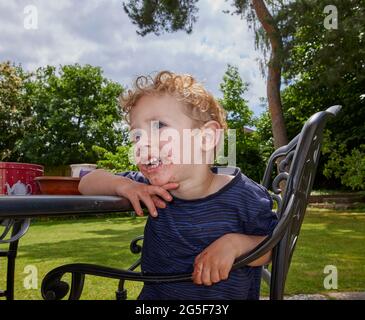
[
  {"x": 350, "y": 168},
  {"x": 115, "y": 162},
  {"x": 249, "y": 154}
]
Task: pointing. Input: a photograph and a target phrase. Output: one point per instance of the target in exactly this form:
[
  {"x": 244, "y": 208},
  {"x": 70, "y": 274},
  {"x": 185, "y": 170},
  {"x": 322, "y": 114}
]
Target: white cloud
[{"x": 100, "y": 33}]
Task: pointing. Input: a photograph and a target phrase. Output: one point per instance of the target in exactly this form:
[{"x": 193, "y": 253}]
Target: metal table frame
[{"x": 16, "y": 213}]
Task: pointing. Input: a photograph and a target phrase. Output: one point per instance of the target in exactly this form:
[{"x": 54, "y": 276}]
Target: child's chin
[
  {"x": 161, "y": 176},
  {"x": 158, "y": 181}
]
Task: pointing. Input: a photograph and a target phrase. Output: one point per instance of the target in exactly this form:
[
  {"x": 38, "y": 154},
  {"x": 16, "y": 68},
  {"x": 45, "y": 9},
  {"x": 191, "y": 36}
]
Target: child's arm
[
  {"x": 214, "y": 263},
  {"x": 101, "y": 182}
]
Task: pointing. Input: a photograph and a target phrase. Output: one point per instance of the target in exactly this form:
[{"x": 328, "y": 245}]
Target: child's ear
[{"x": 210, "y": 135}]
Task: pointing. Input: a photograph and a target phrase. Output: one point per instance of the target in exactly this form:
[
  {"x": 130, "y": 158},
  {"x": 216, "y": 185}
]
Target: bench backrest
[{"x": 295, "y": 165}]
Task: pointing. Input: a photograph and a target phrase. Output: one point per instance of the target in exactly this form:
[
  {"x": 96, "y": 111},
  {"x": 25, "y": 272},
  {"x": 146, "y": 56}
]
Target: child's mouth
[{"x": 152, "y": 164}]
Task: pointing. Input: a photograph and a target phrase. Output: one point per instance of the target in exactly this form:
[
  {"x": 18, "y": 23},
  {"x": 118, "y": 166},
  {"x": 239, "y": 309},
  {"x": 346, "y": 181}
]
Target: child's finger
[
  {"x": 149, "y": 204},
  {"x": 158, "y": 202},
  {"x": 197, "y": 274},
  {"x": 214, "y": 275},
  {"x": 161, "y": 192},
  {"x": 170, "y": 186},
  {"x": 136, "y": 206},
  {"x": 224, "y": 273},
  {"x": 197, "y": 258},
  {"x": 205, "y": 278}
]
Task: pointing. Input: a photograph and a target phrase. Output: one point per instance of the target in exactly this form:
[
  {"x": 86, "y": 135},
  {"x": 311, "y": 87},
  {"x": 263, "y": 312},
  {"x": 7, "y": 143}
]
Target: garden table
[{"x": 16, "y": 213}]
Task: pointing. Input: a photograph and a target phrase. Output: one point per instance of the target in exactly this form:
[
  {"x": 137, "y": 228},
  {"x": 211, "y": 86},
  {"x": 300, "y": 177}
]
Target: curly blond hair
[{"x": 202, "y": 106}]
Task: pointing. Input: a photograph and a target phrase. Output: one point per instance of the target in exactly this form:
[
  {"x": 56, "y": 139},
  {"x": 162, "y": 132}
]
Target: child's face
[{"x": 161, "y": 115}]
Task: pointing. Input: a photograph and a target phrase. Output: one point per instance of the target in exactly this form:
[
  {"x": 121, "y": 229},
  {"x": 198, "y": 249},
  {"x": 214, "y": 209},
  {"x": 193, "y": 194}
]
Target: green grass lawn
[{"x": 327, "y": 238}]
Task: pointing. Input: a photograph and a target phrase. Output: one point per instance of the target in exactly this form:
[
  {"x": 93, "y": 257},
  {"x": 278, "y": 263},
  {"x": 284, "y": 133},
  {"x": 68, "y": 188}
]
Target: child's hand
[
  {"x": 148, "y": 194},
  {"x": 214, "y": 263}
]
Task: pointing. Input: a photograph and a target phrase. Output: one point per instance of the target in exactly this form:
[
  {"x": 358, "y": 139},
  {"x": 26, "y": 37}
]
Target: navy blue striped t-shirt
[{"x": 185, "y": 228}]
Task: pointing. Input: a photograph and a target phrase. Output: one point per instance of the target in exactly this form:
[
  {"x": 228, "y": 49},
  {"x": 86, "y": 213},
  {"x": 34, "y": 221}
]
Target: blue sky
[{"x": 99, "y": 32}]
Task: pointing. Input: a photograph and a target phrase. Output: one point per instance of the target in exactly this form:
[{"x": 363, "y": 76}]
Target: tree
[
  {"x": 329, "y": 68},
  {"x": 310, "y": 44},
  {"x": 324, "y": 67},
  {"x": 239, "y": 116},
  {"x": 270, "y": 38},
  {"x": 73, "y": 108},
  {"x": 165, "y": 15},
  {"x": 263, "y": 135},
  {"x": 233, "y": 89},
  {"x": 172, "y": 15},
  {"x": 14, "y": 109}
]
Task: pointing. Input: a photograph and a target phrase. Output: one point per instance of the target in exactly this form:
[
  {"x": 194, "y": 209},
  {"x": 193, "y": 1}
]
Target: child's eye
[
  {"x": 158, "y": 124},
  {"x": 161, "y": 124},
  {"x": 135, "y": 137}
]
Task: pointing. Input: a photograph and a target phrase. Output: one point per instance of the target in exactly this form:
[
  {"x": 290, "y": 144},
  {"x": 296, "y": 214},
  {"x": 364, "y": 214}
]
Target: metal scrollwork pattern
[
  {"x": 280, "y": 162},
  {"x": 8, "y": 235},
  {"x": 284, "y": 165}
]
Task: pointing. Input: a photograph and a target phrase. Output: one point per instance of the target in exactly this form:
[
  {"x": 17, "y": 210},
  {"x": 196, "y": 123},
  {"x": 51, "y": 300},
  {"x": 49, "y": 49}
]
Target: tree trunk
[{"x": 274, "y": 73}]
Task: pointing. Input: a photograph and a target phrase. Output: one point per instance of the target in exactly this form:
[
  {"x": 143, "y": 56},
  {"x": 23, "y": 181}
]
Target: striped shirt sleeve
[
  {"x": 256, "y": 212},
  {"x": 134, "y": 175}
]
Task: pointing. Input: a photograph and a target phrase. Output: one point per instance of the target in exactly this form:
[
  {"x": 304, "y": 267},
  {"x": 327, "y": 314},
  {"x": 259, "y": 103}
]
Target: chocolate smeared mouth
[{"x": 153, "y": 163}]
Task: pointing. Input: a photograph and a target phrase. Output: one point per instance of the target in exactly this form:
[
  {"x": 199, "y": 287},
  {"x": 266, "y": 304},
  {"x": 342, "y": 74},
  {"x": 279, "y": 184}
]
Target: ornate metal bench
[{"x": 296, "y": 162}]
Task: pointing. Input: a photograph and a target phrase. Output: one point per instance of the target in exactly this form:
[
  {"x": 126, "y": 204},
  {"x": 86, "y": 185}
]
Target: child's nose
[{"x": 147, "y": 152}]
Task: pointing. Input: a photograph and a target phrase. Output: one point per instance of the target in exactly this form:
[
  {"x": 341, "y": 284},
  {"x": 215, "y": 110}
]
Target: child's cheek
[
  {"x": 170, "y": 153},
  {"x": 162, "y": 179}
]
